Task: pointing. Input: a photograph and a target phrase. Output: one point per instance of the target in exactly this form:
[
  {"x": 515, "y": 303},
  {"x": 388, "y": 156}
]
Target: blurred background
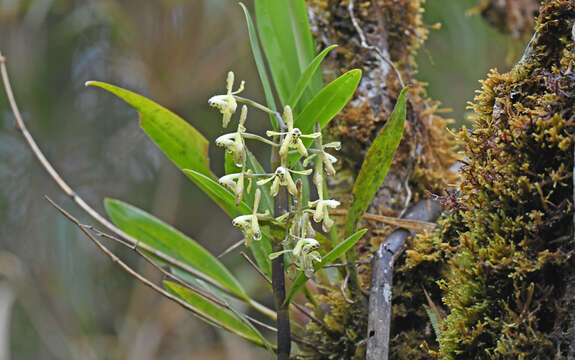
[{"x": 60, "y": 298}]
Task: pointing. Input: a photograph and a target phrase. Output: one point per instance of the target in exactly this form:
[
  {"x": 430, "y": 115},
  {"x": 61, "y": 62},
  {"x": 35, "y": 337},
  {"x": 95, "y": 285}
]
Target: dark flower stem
[{"x": 278, "y": 274}]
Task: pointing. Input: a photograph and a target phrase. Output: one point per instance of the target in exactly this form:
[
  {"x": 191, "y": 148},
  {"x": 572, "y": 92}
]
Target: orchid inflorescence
[{"x": 300, "y": 241}]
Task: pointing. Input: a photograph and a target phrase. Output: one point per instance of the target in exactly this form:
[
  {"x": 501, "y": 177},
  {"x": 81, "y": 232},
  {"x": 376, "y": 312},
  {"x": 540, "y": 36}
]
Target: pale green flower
[
  {"x": 249, "y": 223},
  {"x": 321, "y": 212},
  {"x": 326, "y": 158},
  {"x": 234, "y": 183},
  {"x": 234, "y": 142},
  {"x": 292, "y": 138},
  {"x": 305, "y": 252},
  {"x": 302, "y": 227},
  {"x": 282, "y": 177},
  {"x": 227, "y": 104}
]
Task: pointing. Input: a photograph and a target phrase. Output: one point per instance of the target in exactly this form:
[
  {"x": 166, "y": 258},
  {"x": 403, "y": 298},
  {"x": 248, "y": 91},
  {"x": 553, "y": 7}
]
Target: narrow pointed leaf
[
  {"x": 180, "y": 141},
  {"x": 166, "y": 239},
  {"x": 325, "y": 105},
  {"x": 307, "y": 76},
  {"x": 260, "y": 65},
  {"x": 377, "y": 162},
  {"x": 287, "y": 41},
  {"x": 328, "y": 102},
  {"x": 216, "y": 315},
  {"x": 330, "y": 257}
]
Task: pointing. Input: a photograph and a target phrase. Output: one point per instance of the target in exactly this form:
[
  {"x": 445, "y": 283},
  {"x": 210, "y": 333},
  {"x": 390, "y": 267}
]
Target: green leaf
[
  {"x": 180, "y": 141},
  {"x": 216, "y": 315},
  {"x": 307, "y": 76},
  {"x": 325, "y": 105},
  {"x": 166, "y": 239},
  {"x": 260, "y": 65},
  {"x": 335, "y": 253},
  {"x": 287, "y": 41},
  {"x": 226, "y": 200},
  {"x": 377, "y": 163},
  {"x": 328, "y": 102},
  {"x": 261, "y": 249}
]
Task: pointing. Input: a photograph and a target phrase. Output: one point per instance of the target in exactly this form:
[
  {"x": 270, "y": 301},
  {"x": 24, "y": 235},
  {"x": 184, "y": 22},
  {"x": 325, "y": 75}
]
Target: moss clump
[
  {"x": 508, "y": 240},
  {"x": 346, "y": 328}
]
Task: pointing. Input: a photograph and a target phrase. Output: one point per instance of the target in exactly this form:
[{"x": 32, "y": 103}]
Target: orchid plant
[{"x": 299, "y": 244}]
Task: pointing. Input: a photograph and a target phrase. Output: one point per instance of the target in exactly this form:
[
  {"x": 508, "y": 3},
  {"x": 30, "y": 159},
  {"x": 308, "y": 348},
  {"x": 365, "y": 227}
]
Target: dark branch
[{"x": 379, "y": 320}]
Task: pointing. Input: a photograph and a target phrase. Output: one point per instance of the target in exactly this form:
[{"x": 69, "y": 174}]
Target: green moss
[
  {"x": 423, "y": 157},
  {"x": 508, "y": 259},
  {"x": 346, "y": 327}
]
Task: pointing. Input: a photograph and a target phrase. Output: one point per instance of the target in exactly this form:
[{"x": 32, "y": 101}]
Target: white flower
[
  {"x": 333, "y": 145},
  {"x": 235, "y": 183},
  {"x": 305, "y": 251},
  {"x": 227, "y": 104},
  {"x": 302, "y": 226},
  {"x": 234, "y": 142},
  {"x": 305, "y": 245},
  {"x": 321, "y": 213},
  {"x": 327, "y": 160},
  {"x": 249, "y": 223},
  {"x": 282, "y": 177},
  {"x": 292, "y": 137}
]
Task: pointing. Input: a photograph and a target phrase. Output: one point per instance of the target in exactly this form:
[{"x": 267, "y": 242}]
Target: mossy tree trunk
[{"x": 502, "y": 252}]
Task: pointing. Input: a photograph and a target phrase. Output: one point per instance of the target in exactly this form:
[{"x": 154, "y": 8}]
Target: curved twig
[{"x": 408, "y": 224}]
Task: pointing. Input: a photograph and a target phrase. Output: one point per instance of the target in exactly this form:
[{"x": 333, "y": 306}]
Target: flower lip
[
  {"x": 227, "y": 104},
  {"x": 225, "y": 140},
  {"x": 218, "y": 101}
]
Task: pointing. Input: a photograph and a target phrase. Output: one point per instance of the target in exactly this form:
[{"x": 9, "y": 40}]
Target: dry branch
[{"x": 379, "y": 320}]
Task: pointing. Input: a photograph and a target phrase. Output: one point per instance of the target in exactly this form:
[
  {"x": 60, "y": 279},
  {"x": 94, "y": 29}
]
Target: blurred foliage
[{"x": 71, "y": 302}]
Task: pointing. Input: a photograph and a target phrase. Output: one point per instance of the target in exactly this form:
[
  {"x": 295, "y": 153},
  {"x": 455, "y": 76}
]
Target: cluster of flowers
[{"x": 300, "y": 242}]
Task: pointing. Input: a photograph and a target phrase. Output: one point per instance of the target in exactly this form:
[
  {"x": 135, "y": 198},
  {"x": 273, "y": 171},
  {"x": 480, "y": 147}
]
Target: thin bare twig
[
  {"x": 254, "y": 304},
  {"x": 366, "y": 45},
  {"x": 343, "y": 288},
  {"x": 356, "y": 263},
  {"x": 306, "y": 313},
  {"x": 194, "y": 289},
  {"x": 231, "y": 248},
  {"x": 173, "y": 277},
  {"x": 142, "y": 279},
  {"x": 256, "y": 268},
  {"x": 269, "y": 281},
  {"x": 408, "y": 224}
]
